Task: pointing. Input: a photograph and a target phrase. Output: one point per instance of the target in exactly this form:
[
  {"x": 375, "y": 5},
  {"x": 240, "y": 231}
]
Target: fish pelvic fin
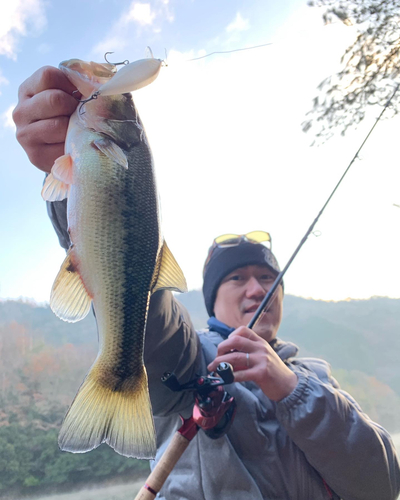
[
  {"x": 69, "y": 299},
  {"x": 120, "y": 416},
  {"x": 57, "y": 183},
  {"x": 169, "y": 275}
]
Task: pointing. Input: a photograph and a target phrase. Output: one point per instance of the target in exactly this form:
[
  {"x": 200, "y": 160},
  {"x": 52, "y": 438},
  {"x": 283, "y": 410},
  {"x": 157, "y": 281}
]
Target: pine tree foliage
[{"x": 370, "y": 66}]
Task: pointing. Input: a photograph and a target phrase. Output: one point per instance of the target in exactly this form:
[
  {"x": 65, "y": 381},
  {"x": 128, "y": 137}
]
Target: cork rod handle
[{"x": 164, "y": 467}]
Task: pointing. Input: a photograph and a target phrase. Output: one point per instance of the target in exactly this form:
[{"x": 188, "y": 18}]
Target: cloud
[
  {"x": 239, "y": 24},
  {"x": 6, "y": 117},
  {"x": 141, "y": 13},
  {"x": 20, "y": 18}
]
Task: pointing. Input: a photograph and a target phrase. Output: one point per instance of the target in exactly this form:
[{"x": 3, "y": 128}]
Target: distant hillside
[
  {"x": 43, "y": 324},
  {"x": 44, "y": 360},
  {"x": 359, "y": 338}
]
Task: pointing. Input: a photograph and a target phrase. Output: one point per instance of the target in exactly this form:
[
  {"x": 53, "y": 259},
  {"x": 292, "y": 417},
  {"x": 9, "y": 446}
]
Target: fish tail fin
[{"x": 117, "y": 414}]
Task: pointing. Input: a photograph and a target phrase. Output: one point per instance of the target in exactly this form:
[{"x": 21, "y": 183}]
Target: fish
[{"x": 117, "y": 257}]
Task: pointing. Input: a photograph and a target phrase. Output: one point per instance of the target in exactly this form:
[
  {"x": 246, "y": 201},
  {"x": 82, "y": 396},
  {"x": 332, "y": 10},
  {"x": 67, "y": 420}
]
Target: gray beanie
[{"x": 224, "y": 260}]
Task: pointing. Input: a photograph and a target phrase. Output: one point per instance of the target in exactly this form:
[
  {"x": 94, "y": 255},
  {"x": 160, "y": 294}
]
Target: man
[{"x": 296, "y": 435}]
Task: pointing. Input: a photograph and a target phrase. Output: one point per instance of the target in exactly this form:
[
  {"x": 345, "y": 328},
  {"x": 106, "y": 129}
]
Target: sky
[{"x": 225, "y": 132}]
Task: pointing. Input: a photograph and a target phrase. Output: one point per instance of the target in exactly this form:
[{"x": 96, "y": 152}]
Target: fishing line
[
  {"x": 230, "y": 51},
  {"x": 267, "y": 299},
  {"x": 256, "y": 46}
]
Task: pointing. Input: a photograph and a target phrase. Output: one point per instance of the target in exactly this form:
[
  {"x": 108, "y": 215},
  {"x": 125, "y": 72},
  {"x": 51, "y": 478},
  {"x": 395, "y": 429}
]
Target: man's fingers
[
  {"x": 238, "y": 360},
  {"x": 245, "y": 375},
  {"x": 245, "y": 332},
  {"x": 45, "y": 78},
  {"x": 47, "y": 104},
  {"x": 44, "y": 157},
  {"x": 237, "y": 343},
  {"x": 42, "y": 115},
  {"x": 50, "y": 131}
]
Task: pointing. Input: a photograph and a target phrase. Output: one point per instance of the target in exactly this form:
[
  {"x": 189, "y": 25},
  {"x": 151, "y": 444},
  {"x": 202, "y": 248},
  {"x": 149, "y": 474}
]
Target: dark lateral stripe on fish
[{"x": 140, "y": 239}]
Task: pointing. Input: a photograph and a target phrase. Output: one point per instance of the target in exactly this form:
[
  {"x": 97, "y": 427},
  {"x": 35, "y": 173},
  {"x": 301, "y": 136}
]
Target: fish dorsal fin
[
  {"x": 69, "y": 299},
  {"x": 54, "y": 190},
  {"x": 112, "y": 151},
  {"x": 170, "y": 275},
  {"x": 57, "y": 183}
]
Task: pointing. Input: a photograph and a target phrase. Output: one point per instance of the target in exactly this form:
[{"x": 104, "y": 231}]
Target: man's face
[{"x": 239, "y": 295}]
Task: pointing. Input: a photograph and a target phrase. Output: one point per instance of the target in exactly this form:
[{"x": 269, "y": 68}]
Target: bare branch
[{"x": 370, "y": 66}]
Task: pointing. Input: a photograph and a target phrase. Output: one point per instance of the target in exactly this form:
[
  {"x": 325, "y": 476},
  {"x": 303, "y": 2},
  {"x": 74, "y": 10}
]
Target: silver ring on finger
[{"x": 247, "y": 360}]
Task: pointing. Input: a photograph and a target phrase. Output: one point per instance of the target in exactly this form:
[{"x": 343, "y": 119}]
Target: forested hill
[
  {"x": 44, "y": 360},
  {"x": 361, "y": 335}
]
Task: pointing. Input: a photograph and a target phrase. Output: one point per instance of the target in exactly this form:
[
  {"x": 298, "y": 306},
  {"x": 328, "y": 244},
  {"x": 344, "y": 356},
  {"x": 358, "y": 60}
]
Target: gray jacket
[{"x": 314, "y": 444}]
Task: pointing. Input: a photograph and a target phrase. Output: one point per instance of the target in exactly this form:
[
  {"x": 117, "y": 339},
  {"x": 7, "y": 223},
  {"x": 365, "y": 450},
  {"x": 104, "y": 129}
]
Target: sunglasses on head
[{"x": 233, "y": 240}]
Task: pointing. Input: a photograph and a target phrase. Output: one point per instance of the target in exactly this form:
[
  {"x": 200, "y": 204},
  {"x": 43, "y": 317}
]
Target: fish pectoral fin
[
  {"x": 112, "y": 151},
  {"x": 54, "y": 189},
  {"x": 126, "y": 133},
  {"x": 63, "y": 168},
  {"x": 57, "y": 184},
  {"x": 69, "y": 299},
  {"x": 119, "y": 415},
  {"x": 170, "y": 275}
]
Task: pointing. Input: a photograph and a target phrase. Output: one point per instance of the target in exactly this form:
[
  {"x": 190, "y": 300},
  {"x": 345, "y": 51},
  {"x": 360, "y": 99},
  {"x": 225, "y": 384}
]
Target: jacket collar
[{"x": 284, "y": 350}]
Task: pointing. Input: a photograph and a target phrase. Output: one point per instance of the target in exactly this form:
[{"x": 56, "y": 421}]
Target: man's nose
[{"x": 254, "y": 288}]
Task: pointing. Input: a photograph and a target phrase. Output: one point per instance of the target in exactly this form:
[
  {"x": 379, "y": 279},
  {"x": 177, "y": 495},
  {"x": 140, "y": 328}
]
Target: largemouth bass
[{"x": 116, "y": 260}]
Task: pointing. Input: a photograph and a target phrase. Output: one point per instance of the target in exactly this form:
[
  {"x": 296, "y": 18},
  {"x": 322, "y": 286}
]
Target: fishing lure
[{"x": 131, "y": 77}]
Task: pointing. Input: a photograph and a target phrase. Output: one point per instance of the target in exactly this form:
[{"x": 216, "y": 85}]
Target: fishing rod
[
  {"x": 213, "y": 412},
  {"x": 214, "y": 408},
  {"x": 267, "y": 299}
]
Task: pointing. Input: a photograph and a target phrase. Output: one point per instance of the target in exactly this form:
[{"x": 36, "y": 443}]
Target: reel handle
[{"x": 225, "y": 371}]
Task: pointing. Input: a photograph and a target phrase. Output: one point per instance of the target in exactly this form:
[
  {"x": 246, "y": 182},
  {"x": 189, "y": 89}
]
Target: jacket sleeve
[
  {"x": 171, "y": 345},
  {"x": 171, "y": 342},
  {"x": 354, "y": 455}
]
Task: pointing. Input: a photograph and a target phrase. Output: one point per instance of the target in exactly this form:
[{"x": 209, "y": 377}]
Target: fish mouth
[{"x": 87, "y": 76}]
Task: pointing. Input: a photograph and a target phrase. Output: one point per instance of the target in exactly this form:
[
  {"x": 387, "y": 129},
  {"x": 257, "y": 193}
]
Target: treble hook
[
  {"x": 115, "y": 64},
  {"x": 95, "y": 95}
]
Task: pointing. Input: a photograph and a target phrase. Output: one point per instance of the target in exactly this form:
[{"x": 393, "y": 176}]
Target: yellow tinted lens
[
  {"x": 227, "y": 239},
  {"x": 258, "y": 236}
]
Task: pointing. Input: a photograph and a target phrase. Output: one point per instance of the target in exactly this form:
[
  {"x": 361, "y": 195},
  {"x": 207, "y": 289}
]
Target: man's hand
[
  {"x": 262, "y": 365},
  {"x": 45, "y": 103}
]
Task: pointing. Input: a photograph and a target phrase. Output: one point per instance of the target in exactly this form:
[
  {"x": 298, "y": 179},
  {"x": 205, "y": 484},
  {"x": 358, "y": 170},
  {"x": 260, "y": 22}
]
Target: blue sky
[{"x": 226, "y": 137}]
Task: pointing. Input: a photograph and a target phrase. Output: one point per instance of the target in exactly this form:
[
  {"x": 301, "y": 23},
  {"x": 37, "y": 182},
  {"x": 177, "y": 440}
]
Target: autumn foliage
[{"x": 38, "y": 381}]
